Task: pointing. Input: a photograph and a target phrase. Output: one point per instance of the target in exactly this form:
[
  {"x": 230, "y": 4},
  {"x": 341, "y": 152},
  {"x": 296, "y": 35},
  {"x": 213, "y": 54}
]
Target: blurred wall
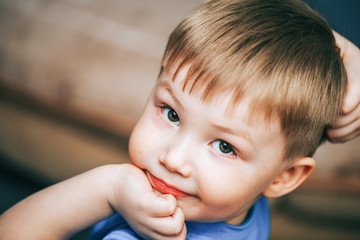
[
  {"x": 75, "y": 75},
  {"x": 69, "y": 69}
]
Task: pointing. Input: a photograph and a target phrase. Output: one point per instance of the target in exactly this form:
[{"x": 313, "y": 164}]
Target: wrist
[{"x": 118, "y": 176}]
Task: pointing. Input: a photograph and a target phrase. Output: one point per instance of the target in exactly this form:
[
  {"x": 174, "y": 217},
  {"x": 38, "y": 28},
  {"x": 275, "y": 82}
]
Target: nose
[{"x": 177, "y": 157}]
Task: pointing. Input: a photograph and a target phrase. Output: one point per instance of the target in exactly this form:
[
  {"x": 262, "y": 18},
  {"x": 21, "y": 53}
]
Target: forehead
[
  {"x": 222, "y": 98},
  {"x": 178, "y": 80},
  {"x": 211, "y": 89}
]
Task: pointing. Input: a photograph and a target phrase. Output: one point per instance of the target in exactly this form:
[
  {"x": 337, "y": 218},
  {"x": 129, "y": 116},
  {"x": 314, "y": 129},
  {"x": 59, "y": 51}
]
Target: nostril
[
  {"x": 161, "y": 158},
  {"x": 169, "y": 166},
  {"x": 186, "y": 171},
  {"x": 177, "y": 166}
]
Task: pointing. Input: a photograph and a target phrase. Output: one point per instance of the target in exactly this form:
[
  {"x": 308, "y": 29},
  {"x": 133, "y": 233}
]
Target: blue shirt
[{"x": 255, "y": 227}]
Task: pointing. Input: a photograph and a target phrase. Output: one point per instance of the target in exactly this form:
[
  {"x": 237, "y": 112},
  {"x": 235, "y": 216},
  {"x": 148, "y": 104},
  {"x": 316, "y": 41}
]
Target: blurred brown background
[{"x": 74, "y": 77}]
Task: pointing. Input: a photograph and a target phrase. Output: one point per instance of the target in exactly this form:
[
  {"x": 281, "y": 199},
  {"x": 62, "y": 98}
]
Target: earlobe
[{"x": 290, "y": 178}]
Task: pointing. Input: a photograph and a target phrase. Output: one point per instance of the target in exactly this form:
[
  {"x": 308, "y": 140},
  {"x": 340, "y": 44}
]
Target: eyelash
[
  {"x": 227, "y": 145},
  {"x": 232, "y": 153},
  {"x": 168, "y": 117}
]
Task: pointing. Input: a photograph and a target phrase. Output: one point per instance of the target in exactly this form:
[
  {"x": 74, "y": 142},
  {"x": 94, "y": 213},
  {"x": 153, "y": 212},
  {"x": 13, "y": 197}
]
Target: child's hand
[
  {"x": 347, "y": 126},
  {"x": 151, "y": 216}
]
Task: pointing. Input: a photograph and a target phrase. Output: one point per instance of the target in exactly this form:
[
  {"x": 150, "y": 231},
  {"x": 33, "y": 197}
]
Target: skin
[
  {"x": 347, "y": 126},
  {"x": 60, "y": 210},
  {"x": 180, "y": 140},
  {"x": 197, "y": 174},
  {"x": 197, "y": 179}
]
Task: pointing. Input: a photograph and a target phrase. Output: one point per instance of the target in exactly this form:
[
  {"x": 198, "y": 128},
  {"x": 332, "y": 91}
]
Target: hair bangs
[{"x": 280, "y": 54}]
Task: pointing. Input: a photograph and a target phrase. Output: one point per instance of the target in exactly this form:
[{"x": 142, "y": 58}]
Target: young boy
[{"x": 245, "y": 92}]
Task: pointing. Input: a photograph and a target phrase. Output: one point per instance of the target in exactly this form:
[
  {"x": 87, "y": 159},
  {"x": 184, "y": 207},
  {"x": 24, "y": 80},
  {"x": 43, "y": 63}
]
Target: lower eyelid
[
  {"x": 161, "y": 115},
  {"x": 233, "y": 155}
]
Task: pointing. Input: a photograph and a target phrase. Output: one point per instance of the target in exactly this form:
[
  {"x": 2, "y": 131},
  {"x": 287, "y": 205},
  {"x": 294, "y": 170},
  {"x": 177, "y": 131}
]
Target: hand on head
[{"x": 347, "y": 126}]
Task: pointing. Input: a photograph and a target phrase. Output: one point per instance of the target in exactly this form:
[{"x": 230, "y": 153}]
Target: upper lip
[{"x": 164, "y": 187}]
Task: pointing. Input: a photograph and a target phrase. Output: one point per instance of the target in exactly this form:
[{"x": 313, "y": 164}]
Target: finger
[
  {"x": 346, "y": 138},
  {"x": 343, "y": 131},
  {"x": 155, "y": 235},
  {"x": 352, "y": 99},
  {"x": 181, "y": 236},
  {"x": 344, "y": 134},
  {"x": 172, "y": 225},
  {"x": 160, "y": 206},
  {"x": 347, "y": 119},
  {"x": 351, "y": 58},
  {"x": 178, "y": 221}
]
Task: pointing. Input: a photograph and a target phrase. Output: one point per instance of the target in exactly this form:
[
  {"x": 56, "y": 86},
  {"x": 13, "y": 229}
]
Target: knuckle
[
  {"x": 171, "y": 209},
  {"x": 177, "y": 228},
  {"x": 170, "y": 206},
  {"x": 331, "y": 135},
  {"x": 142, "y": 205}
]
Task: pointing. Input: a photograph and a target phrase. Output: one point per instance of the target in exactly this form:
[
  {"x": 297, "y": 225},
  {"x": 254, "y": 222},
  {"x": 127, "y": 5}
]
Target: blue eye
[
  {"x": 170, "y": 115},
  {"x": 222, "y": 147}
]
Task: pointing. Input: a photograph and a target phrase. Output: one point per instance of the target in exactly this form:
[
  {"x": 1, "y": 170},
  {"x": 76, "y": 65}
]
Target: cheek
[
  {"x": 144, "y": 140},
  {"x": 226, "y": 186},
  {"x": 219, "y": 189},
  {"x": 137, "y": 145}
]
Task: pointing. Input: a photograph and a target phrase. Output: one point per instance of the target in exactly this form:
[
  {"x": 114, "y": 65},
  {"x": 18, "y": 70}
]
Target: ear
[{"x": 290, "y": 178}]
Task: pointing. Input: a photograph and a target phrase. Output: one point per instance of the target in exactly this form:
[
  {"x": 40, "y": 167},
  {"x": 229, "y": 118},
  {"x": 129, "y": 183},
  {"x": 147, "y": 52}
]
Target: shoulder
[
  {"x": 255, "y": 227},
  {"x": 112, "y": 228}
]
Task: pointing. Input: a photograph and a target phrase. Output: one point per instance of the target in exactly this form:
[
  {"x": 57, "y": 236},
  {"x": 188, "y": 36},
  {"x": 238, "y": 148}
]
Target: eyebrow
[
  {"x": 244, "y": 135},
  {"x": 241, "y": 134},
  {"x": 167, "y": 87}
]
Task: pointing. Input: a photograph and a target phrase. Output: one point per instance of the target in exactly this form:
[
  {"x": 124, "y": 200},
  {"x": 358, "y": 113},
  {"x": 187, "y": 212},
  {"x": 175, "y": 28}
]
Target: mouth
[{"x": 165, "y": 188}]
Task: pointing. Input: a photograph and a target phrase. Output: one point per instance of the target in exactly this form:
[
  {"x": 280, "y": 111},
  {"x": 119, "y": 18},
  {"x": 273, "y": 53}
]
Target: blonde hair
[{"x": 280, "y": 52}]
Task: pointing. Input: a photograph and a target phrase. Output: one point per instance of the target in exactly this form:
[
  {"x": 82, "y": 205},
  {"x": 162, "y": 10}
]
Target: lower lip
[{"x": 164, "y": 188}]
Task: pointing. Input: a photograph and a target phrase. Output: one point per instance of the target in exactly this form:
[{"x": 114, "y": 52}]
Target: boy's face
[{"x": 215, "y": 164}]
